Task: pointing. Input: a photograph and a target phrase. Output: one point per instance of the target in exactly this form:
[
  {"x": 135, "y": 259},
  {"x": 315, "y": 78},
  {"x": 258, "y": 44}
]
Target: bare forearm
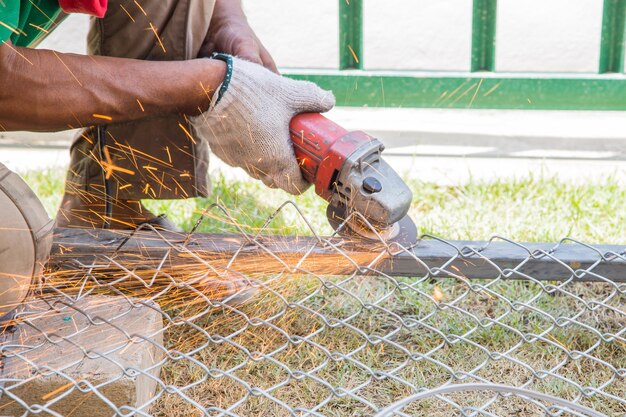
[{"x": 46, "y": 90}]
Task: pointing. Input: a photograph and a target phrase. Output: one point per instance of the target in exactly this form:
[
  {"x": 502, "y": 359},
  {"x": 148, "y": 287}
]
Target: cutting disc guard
[{"x": 403, "y": 232}]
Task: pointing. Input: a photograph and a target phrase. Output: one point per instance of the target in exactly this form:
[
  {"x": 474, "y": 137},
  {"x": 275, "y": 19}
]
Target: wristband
[{"x": 228, "y": 59}]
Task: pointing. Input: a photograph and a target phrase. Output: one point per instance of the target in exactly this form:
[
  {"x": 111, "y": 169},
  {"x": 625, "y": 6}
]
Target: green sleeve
[
  {"x": 25, "y": 21},
  {"x": 9, "y": 19}
]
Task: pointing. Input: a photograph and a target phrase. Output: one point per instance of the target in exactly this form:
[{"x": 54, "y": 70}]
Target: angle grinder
[{"x": 367, "y": 198}]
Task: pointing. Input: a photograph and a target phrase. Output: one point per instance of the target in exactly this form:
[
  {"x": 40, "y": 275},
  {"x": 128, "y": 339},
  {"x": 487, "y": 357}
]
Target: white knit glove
[{"x": 249, "y": 126}]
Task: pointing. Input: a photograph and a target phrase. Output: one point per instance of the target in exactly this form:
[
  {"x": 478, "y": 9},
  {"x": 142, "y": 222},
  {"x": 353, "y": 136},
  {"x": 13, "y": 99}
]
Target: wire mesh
[{"x": 269, "y": 334}]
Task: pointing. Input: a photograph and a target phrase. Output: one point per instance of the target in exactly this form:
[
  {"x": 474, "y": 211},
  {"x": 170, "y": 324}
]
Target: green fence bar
[
  {"x": 484, "y": 35},
  {"x": 612, "y": 42},
  {"x": 472, "y": 90},
  {"x": 350, "y": 34},
  {"x": 482, "y": 88}
]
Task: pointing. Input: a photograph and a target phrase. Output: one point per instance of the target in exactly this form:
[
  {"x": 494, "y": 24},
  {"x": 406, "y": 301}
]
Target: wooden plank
[
  {"x": 56, "y": 346},
  {"x": 335, "y": 256}
]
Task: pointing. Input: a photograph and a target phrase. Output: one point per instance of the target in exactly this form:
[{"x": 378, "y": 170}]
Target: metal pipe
[
  {"x": 350, "y": 34},
  {"x": 434, "y": 257},
  {"x": 484, "y": 35},
  {"x": 612, "y": 39}
]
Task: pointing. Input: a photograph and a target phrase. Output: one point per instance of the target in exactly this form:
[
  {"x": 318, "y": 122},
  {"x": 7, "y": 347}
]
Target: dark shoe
[
  {"x": 162, "y": 222},
  {"x": 75, "y": 212}
]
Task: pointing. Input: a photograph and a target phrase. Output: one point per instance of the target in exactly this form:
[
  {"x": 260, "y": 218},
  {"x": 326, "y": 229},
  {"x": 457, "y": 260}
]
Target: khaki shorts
[{"x": 154, "y": 157}]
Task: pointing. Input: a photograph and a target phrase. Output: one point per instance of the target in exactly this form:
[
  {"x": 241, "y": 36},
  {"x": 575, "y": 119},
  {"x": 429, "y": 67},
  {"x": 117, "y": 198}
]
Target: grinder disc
[{"x": 403, "y": 232}]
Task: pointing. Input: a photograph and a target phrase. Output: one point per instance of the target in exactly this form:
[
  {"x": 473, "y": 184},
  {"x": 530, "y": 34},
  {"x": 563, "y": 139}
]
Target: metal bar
[
  {"x": 468, "y": 259},
  {"x": 472, "y": 90},
  {"x": 350, "y": 34},
  {"x": 484, "y": 35},
  {"x": 612, "y": 40}
]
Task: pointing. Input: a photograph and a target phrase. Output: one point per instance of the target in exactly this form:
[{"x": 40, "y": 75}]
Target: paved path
[{"x": 444, "y": 146}]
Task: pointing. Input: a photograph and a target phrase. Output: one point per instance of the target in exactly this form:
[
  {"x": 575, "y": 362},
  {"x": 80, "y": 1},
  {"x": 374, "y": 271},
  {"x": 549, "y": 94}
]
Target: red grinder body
[
  {"x": 322, "y": 147},
  {"x": 348, "y": 170}
]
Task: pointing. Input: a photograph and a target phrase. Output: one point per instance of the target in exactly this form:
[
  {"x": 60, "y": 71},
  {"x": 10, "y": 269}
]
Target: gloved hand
[{"x": 249, "y": 125}]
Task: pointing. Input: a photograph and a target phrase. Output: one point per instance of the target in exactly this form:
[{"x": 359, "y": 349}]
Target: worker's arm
[
  {"x": 231, "y": 33},
  {"x": 43, "y": 90}
]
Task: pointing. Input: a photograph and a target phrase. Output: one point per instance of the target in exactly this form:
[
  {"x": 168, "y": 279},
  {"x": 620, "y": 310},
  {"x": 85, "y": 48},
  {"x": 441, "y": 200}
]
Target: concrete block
[{"x": 60, "y": 347}]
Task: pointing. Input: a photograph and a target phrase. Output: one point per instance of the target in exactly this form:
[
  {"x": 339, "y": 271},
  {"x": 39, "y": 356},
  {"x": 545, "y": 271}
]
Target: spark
[
  {"x": 462, "y": 95},
  {"x": 187, "y": 133},
  {"x": 129, "y": 15},
  {"x": 554, "y": 339},
  {"x": 116, "y": 220},
  {"x": 147, "y": 190},
  {"x": 110, "y": 168},
  {"x": 492, "y": 89},
  {"x": 169, "y": 156},
  {"x": 87, "y": 138},
  {"x": 441, "y": 97},
  {"x": 40, "y": 28},
  {"x": 64, "y": 249},
  {"x": 182, "y": 189},
  {"x": 456, "y": 90},
  {"x": 158, "y": 37},
  {"x": 356, "y": 59},
  {"x": 16, "y": 51},
  {"x": 140, "y": 106},
  {"x": 140, "y": 8},
  {"x": 42, "y": 12},
  {"x": 10, "y": 28},
  {"x": 56, "y": 391},
  {"x": 159, "y": 181},
  {"x": 476, "y": 92},
  {"x": 134, "y": 151},
  {"x": 139, "y": 206},
  {"x": 66, "y": 67},
  {"x": 102, "y": 116},
  {"x": 84, "y": 398}
]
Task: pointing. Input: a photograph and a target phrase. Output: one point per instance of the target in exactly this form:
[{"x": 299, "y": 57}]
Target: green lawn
[{"x": 530, "y": 209}]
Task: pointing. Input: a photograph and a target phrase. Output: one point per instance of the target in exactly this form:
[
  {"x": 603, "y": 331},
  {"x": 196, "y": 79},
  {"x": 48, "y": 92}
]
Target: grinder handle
[{"x": 313, "y": 136}]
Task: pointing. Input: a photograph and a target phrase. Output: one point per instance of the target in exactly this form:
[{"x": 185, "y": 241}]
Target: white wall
[
  {"x": 70, "y": 36},
  {"x": 427, "y": 35},
  {"x": 532, "y": 35},
  {"x": 549, "y": 35}
]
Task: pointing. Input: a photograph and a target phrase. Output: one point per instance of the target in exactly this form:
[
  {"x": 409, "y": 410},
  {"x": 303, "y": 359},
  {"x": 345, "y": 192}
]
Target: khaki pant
[{"x": 154, "y": 158}]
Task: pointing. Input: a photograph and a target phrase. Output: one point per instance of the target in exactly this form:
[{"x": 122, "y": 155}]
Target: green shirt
[{"x": 24, "y": 21}]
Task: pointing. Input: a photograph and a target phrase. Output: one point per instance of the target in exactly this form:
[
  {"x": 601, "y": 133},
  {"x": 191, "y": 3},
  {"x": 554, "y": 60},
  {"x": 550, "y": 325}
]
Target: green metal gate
[{"x": 482, "y": 87}]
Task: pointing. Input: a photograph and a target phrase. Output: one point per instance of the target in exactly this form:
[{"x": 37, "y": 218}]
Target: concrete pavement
[{"x": 444, "y": 146}]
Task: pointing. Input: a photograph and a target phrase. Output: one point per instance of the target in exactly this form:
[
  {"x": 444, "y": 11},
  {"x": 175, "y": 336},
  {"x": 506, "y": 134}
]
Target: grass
[
  {"x": 529, "y": 209},
  {"x": 425, "y": 342}
]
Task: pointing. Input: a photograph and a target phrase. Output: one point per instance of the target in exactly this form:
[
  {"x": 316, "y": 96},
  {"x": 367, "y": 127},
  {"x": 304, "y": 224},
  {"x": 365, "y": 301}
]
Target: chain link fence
[{"x": 250, "y": 324}]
